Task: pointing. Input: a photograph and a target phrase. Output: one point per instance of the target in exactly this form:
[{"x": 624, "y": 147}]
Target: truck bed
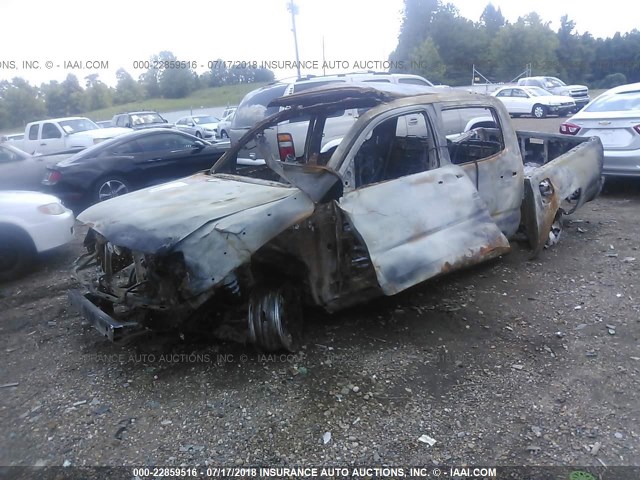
[{"x": 561, "y": 174}]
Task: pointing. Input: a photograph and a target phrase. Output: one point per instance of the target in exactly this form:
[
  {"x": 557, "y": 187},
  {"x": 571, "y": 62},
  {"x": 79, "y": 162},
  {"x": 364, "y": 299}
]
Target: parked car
[
  {"x": 140, "y": 120},
  {"x": 395, "y": 204},
  {"x": 614, "y": 117},
  {"x": 224, "y": 124},
  {"x": 201, "y": 126},
  {"x": 30, "y": 223},
  {"x": 21, "y": 171},
  {"x": 288, "y": 138},
  {"x": 534, "y": 101},
  {"x": 58, "y": 134},
  {"x": 579, "y": 93},
  {"x": 129, "y": 162}
]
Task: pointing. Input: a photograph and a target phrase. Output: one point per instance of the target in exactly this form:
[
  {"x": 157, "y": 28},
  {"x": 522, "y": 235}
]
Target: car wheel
[
  {"x": 110, "y": 187},
  {"x": 275, "y": 318},
  {"x": 224, "y": 134},
  {"x": 17, "y": 252},
  {"x": 198, "y": 134},
  {"x": 539, "y": 111}
]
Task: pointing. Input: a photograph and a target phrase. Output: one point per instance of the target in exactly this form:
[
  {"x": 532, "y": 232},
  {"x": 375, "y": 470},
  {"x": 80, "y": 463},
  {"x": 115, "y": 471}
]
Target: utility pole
[
  {"x": 323, "y": 59},
  {"x": 294, "y": 10}
]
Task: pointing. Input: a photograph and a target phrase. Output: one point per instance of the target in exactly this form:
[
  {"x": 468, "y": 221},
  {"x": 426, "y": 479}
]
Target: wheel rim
[
  {"x": 224, "y": 135},
  {"x": 271, "y": 315},
  {"x": 538, "y": 112},
  {"x": 198, "y": 134},
  {"x": 110, "y": 189}
]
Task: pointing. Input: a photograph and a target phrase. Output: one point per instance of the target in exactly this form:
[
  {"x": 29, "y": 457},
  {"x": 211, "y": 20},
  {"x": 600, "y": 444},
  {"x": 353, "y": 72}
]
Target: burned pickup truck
[{"x": 407, "y": 195}]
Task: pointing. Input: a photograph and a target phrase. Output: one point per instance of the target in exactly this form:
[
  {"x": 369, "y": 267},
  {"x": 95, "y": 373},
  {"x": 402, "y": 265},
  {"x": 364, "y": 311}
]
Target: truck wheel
[
  {"x": 275, "y": 318},
  {"x": 110, "y": 187},
  {"x": 17, "y": 252},
  {"x": 539, "y": 111},
  {"x": 555, "y": 231}
]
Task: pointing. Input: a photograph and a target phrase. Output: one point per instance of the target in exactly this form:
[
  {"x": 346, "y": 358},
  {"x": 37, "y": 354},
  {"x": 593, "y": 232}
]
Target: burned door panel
[
  {"x": 488, "y": 153},
  {"x": 422, "y": 225}
]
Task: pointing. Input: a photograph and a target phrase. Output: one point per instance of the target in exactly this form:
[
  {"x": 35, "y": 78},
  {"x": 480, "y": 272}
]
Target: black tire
[
  {"x": 275, "y": 318},
  {"x": 539, "y": 111},
  {"x": 17, "y": 252},
  {"x": 198, "y": 134},
  {"x": 109, "y": 187},
  {"x": 224, "y": 134}
]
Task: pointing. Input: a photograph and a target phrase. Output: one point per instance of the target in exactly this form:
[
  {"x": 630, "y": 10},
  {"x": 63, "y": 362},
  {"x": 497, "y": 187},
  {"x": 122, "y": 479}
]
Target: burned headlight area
[{"x": 130, "y": 278}]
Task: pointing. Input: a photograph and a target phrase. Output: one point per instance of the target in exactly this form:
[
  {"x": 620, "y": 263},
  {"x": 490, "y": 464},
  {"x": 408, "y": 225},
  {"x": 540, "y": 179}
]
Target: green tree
[
  {"x": 417, "y": 16},
  {"x": 574, "y": 56},
  {"x": 529, "y": 40},
  {"x": 74, "y": 95},
  {"x": 150, "y": 79},
  {"x": 460, "y": 42},
  {"x": 54, "y": 99},
  {"x": 174, "y": 82},
  {"x": 97, "y": 94},
  {"x": 425, "y": 60},
  {"x": 22, "y": 102},
  {"x": 492, "y": 19},
  {"x": 127, "y": 89}
]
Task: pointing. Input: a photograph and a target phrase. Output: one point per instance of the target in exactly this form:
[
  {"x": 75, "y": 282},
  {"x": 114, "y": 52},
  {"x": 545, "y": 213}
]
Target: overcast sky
[{"x": 122, "y": 32}]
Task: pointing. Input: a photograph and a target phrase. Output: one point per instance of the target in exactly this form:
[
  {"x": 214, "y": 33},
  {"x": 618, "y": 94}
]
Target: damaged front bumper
[{"x": 101, "y": 321}]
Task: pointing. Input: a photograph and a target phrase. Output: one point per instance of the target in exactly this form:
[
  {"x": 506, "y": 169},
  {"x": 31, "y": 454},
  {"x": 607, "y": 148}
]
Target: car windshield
[
  {"x": 78, "y": 125},
  {"x": 205, "y": 119},
  {"x": 144, "y": 118},
  {"x": 618, "y": 102},
  {"x": 538, "y": 92},
  {"x": 552, "y": 82}
]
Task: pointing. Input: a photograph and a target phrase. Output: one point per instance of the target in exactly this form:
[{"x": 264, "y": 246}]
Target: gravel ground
[{"x": 514, "y": 362}]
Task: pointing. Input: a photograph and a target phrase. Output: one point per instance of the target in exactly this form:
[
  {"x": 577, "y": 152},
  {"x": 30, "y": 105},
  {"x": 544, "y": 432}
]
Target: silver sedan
[
  {"x": 202, "y": 126},
  {"x": 614, "y": 117}
]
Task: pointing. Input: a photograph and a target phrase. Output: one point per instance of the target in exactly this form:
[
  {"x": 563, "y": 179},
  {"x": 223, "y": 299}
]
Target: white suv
[{"x": 289, "y": 139}]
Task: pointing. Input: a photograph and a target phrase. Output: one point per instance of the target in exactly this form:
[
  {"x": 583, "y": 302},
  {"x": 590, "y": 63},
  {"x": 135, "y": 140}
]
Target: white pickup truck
[{"x": 58, "y": 134}]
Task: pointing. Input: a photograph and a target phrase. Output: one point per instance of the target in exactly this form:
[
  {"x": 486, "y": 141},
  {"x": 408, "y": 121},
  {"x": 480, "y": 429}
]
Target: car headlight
[
  {"x": 51, "y": 209},
  {"x": 210, "y": 129}
]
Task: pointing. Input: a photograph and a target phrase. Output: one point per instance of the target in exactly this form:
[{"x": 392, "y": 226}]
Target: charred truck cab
[{"x": 405, "y": 196}]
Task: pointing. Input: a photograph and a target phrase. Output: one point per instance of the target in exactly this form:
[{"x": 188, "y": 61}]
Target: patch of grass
[{"x": 206, "y": 97}]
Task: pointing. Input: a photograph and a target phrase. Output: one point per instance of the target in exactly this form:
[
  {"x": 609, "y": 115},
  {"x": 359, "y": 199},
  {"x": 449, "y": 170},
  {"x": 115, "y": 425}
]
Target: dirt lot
[{"x": 510, "y": 363}]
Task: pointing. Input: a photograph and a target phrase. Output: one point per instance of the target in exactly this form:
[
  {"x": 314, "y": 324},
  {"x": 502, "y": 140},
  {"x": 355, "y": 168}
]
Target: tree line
[
  {"x": 21, "y": 102},
  {"x": 443, "y": 46}
]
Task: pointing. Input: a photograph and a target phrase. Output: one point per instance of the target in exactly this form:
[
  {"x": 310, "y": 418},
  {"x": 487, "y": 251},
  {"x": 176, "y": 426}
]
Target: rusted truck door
[{"x": 421, "y": 225}]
